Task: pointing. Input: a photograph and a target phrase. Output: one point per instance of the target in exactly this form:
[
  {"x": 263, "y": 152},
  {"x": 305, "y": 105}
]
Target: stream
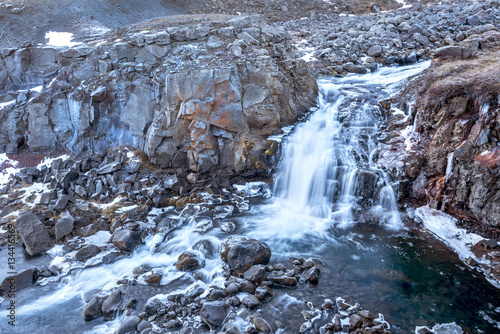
[{"x": 329, "y": 200}]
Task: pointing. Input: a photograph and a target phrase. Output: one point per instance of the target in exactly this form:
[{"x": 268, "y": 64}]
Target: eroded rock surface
[{"x": 196, "y": 93}]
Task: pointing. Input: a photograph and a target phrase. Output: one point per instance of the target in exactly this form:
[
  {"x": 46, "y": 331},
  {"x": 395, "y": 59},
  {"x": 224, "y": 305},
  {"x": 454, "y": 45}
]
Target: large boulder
[
  {"x": 241, "y": 253},
  {"x": 32, "y": 233}
]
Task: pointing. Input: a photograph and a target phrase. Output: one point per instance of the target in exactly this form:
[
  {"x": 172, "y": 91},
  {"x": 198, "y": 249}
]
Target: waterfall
[{"x": 327, "y": 166}]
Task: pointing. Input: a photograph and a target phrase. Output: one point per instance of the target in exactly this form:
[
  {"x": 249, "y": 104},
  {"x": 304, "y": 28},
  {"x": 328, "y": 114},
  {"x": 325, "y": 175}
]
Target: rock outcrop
[
  {"x": 450, "y": 154},
  {"x": 192, "y": 93}
]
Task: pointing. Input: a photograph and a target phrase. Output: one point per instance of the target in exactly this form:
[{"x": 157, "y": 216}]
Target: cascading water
[{"x": 326, "y": 190}]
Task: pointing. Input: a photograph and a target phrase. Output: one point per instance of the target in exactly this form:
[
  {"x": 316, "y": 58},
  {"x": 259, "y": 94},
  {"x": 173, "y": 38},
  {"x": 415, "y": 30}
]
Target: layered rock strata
[{"x": 193, "y": 93}]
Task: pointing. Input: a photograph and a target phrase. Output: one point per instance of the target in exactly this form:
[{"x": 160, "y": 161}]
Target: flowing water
[{"x": 331, "y": 201}]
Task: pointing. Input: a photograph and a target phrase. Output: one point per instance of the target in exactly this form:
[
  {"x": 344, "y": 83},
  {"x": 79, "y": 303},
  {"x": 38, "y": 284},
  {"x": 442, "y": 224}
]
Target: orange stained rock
[{"x": 489, "y": 159}]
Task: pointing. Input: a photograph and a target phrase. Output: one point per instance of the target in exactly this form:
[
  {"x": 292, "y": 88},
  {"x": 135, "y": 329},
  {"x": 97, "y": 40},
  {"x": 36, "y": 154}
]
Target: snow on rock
[{"x": 443, "y": 226}]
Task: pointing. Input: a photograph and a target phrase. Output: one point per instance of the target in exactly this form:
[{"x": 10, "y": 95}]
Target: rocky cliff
[
  {"x": 194, "y": 92},
  {"x": 447, "y": 146}
]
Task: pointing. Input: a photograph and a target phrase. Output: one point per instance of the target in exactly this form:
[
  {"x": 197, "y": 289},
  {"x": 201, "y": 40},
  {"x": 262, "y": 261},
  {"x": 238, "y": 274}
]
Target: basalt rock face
[
  {"x": 190, "y": 92},
  {"x": 452, "y": 135}
]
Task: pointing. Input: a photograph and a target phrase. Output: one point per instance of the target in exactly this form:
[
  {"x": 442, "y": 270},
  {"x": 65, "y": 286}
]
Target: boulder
[
  {"x": 126, "y": 240},
  {"x": 355, "y": 321},
  {"x": 20, "y": 281},
  {"x": 33, "y": 234},
  {"x": 87, "y": 252},
  {"x": 190, "y": 260},
  {"x": 284, "y": 281},
  {"x": 61, "y": 202},
  {"x": 256, "y": 273},
  {"x": 92, "y": 309},
  {"x": 64, "y": 226},
  {"x": 153, "y": 279},
  {"x": 111, "y": 305},
  {"x": 214, "y": 313},
  {"x": 311, "y": 275},
  {"x": 251, "y": 301},
  {"x": 261, "y": 325},
  {"x": 241, "y": 253},
  {"x": 375, "y": 51},
  {"x": 130, "y": 324},
  {"x": 264, "y": 293}
]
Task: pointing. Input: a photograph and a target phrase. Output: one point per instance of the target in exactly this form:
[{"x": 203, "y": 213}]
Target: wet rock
[
  {"x": 261, "y": 325},
  {"x": 311, "y": 275},
  {"x": 129, "y": 324},
  {"x": 367, "y": 314},
  {"x": 232, "y": 289},
  {"x": 217, "y": 294},
  {"x": 214, "y": 313},
  {"x": 251, "y": 301},
  {"x": 234, "y": 301},
  {"x": 194, "y": 292},
  {"x": 32, "y": 233},
  {"x": 284, "y": 281},
  {"x": 153, "y": 279},
  {"x": 241, "y": 253},
  {"x": 264, "y": 293},
  {"x": 246, "y": 286},
  {"x": 151, "y": 307},
  {"x": 205, "y": 247},
  {"x": 355, "y": 321},
  {"x": 92, "y": 309},
  {"x": 231, "y": 328},
  {"x": 111, "y": 305},
  {"x": 126, "y": 240},
  {"x": 190, "y": 260},
  {"x": 143, "y": 325},
  {"x": 12, "y": 284},
  {"x": 87, "y": 252},
  {"x": 256, "y": 273}
]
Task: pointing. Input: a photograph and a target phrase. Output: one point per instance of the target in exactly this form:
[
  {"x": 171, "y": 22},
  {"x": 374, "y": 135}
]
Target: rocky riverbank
[
  {"x": 165, "y": 120},
  {"x": 340, "y": 44}
]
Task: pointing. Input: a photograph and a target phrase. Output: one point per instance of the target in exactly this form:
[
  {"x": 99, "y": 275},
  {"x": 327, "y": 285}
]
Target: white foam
[{"x": 443, "y": 226}]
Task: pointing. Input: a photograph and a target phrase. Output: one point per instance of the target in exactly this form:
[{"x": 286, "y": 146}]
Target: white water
[{"x": 317, "y": 188}]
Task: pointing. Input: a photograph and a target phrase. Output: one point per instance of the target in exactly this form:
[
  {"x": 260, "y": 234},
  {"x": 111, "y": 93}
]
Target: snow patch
[
  {"x": 60, "y": 39},
  {"x": 6, "y": 104},
  {"x": 443, "y": 226}
]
